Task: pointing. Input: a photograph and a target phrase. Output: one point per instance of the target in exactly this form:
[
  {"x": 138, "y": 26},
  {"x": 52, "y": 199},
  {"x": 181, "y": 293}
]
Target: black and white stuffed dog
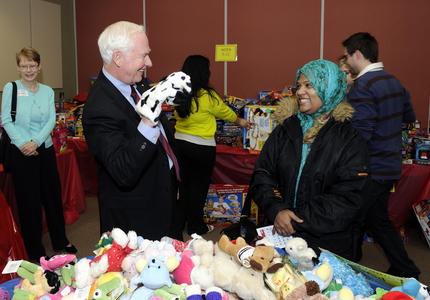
[{"x": 168, "y": 90}]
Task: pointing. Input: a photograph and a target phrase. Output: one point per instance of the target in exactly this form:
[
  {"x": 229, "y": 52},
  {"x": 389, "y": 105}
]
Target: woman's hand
[
  {"x": 244, "y": 123},
  {"x": 282, "y": 224},
  {"x": 29, "y": 149}
]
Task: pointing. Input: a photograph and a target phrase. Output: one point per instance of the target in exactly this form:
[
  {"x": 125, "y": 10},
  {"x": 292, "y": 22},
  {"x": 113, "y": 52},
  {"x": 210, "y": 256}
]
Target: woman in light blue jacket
[{"x": 33, "y": 162}]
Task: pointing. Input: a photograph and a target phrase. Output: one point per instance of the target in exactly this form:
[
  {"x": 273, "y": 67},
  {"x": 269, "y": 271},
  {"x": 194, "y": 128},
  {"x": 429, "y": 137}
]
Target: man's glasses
[{"x": 28, "y": 67}]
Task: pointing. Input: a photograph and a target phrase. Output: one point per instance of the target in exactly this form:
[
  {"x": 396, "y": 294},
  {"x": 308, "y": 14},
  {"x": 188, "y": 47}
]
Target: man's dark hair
[{"x": 365, "y": 43}]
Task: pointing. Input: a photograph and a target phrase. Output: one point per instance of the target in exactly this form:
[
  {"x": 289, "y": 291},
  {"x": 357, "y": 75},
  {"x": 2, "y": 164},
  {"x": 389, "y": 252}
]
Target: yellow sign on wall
[{"x": 226, "y": 52}]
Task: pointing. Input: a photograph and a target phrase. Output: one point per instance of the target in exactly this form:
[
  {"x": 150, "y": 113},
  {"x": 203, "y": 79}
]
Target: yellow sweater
[{"x": 202, "y": 122}]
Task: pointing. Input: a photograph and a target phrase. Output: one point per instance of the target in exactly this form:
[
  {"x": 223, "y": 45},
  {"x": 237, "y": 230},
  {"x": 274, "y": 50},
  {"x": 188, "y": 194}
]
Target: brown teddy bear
[
  {"x": 240, "y": 251},
  {"x": 262, "y": 259}
]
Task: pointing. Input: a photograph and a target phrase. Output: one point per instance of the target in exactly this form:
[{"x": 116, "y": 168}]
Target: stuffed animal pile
[{"x": 129, "y": 267}]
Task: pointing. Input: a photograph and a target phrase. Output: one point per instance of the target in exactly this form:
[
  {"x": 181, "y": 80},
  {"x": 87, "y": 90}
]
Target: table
[
  {"x": 73, "y": 195},
  {"x": 235, "y": 166},
  {"x": 414, "y": 186}
]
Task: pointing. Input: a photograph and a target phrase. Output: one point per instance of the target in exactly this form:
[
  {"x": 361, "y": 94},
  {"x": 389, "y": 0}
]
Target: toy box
[
  {"x": 224, "y": 204},
  {"x": 422, "y": 212},
  {"x": 59, "y": 134},
  {"x": 229, "y": 134},
  {"x": 260, "y": 116},
  {"x": 422, "y": 151}
]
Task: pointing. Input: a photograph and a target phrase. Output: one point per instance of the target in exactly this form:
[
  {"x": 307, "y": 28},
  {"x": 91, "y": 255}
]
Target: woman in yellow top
[{"x": 195, "y": 143}]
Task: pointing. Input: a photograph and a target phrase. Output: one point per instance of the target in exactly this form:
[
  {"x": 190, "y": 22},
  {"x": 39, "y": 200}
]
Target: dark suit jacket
[{"x": 136, "y": 189}]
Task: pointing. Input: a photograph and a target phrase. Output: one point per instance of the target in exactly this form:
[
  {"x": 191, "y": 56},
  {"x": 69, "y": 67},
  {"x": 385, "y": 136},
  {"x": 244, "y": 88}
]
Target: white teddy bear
[
  {"x": 297, "y": 249},
  {"x": 149, "y": 105}
]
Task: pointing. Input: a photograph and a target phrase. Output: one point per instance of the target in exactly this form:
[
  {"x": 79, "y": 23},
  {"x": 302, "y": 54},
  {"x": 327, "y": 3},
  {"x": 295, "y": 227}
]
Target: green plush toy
[
  {"x": 27, "y": 269},
  {"x": 176, "y": 291},
  {"x": 68, "y": 274},
  {"x": 20, "y": 294},
  {"x": 109, "y": 286}
]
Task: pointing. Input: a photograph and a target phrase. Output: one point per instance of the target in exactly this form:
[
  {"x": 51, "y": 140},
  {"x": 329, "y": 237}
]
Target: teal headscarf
[{"x": 329, "y": 82}]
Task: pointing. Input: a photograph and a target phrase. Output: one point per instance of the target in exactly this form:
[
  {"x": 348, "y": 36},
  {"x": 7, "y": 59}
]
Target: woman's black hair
[{"x": 197, "y": 67}]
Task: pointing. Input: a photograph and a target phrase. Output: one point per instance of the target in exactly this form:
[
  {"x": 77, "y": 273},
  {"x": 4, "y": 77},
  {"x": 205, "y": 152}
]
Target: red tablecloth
[
  {"x": 414, "y": 186},
  {"x": 11, "y": 243},
  {"x": 73, "y": 195},
  {"x": 235, "y": 166}
]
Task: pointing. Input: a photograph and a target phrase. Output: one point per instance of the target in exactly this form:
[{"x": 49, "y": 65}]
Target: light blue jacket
[{"x": 35, "y": 115}]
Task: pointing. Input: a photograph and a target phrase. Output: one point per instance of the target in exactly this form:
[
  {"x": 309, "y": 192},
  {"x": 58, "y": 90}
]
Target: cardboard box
[
  {"x": 254, "y": 138},
  {"x": 224, "y": 204},
  {"x": 422, "y": 212}
]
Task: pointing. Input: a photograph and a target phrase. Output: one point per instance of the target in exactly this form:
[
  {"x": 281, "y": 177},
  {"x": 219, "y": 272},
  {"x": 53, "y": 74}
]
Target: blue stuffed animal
[
  {"x": 153, "y": 276},
  {"x": 410, "y": 287}
]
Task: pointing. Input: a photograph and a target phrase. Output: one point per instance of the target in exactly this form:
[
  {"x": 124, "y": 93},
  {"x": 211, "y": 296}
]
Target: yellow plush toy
[{"x": 44, "y": 283}]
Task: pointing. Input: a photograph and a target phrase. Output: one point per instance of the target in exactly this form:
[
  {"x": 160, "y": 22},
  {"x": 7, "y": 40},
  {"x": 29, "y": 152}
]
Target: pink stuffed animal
[{"x": 56, "y": 261}]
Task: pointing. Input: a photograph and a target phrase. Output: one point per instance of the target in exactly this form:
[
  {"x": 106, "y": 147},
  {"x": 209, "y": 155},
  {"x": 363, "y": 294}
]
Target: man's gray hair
[{"x": 117, "y": 36}]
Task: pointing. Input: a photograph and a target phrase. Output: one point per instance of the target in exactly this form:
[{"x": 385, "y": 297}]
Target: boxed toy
[
  {"x": 59, "y": 134},
  {"x": 422, "y": 212},
  {"x": 224, "y": 204},
  {"x": 229, "y": 134},
  {"x": 260, "y": 116},
  {"x": 422, "y": 151}
]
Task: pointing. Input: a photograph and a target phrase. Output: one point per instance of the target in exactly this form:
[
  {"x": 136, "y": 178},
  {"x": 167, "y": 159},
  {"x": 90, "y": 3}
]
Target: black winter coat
[{"x": 328, "y": 195}]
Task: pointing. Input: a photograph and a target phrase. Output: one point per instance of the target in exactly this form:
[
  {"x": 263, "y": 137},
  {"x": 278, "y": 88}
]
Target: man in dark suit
[{"x": 137, "y": 178}]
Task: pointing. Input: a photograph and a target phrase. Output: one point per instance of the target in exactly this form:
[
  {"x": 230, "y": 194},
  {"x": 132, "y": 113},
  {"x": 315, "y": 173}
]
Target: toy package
[
  {"x": 224, "y": 204},
  {"x": 229, "y": 134},
  {"x": 422, "y": 212},
  {"x": 260, "y": 115},
  {"x": 59, "y": 134},
  {"x": 422, "y": 151}
]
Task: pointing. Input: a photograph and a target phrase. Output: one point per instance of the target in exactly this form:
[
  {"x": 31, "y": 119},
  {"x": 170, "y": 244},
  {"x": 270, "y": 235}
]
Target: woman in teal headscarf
[{"x": 309, "y": 174}]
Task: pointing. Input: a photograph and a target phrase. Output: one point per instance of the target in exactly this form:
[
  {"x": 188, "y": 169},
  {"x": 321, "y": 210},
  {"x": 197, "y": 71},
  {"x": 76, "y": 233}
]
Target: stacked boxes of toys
[
  {"x": 260, "y": 115},
  {"x": 224, "y": 204},
  {"x": 228, "y": 133},
  {"x": 415, "y": 145}
]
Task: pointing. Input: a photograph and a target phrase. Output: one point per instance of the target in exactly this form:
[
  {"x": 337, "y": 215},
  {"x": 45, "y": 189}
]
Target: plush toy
[
  {"x": 307, "y": 291},
  {"x": 322, "y": 274},
  {"x": 425, "y": 292},
  {"x": 153, "y": 276},
  {"x": 191, "y": 271},
  {"x": 149, "y": 105},
  {"x": 224, "y": 268},
  {"x": 109, "y": 286},
  {"x": 231, "y": 277},
  {"x": 27, "y": 269},
  {"x": 161, "y": 249},
  {"x": 248, "y": 284},
  {"x": 56, "y": 261},
  {"x": 240, "y": 251},
  {"x": 45, "y": 282},
  {"x": 297, "y": 249},
  {"x": 122, "y": 245},
  {"x": 176, "y": 291},
  {"x": 396, "y": 295},
  {"x": 410, "y": 287},
  {"x": 193, "y": 292},
  {"x": 110, "y": 261},
  {"x": 262, "y": 259}
]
